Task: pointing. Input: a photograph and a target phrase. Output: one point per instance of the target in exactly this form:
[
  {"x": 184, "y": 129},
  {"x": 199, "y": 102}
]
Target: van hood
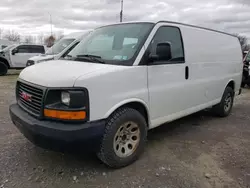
[
  {"x": 60, "y": 73},
  {"x": 41, "y": 57}
]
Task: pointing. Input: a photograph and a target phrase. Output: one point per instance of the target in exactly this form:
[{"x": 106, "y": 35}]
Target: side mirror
[
  {"x": 14, "y": 51},
  {"x": 163, "y": 52},
  {"x": 152, "y": 58}
]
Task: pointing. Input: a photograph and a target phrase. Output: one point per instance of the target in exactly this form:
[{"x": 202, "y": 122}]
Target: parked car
[
  {"x": 246, "y": 70},
  {"x": 15, "y": 56},
  {"x": 59, "y": 49},
  {"x": 123, "y": 80}
]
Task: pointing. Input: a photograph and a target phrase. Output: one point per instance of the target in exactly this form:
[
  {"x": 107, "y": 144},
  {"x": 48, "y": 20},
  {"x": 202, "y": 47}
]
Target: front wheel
[
  {"x": 243, "y": 81},
  {"x": 224, "y": 108},
  {"x": 3, "y": 69},
  {"x": 124, "y": 138}
]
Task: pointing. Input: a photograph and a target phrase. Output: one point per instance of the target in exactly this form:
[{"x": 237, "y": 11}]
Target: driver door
[{"x": 168, "y": 78}]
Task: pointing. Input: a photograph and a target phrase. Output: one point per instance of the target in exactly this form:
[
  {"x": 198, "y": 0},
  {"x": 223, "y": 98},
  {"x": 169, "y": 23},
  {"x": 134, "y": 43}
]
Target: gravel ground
[{"x": 197, "y": 151}]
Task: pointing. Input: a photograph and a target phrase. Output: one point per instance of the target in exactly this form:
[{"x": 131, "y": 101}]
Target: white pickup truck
[
  {"x": 15, "y": 56},
  {"x": 59, "y": 49}
]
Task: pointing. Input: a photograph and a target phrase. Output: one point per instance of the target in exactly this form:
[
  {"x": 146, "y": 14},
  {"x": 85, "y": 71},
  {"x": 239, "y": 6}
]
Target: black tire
[
  {"x": 107, "y": 153},
  {"x": 223, "y": 109},
  {"x": 3, "y": 69},
  {"x": 248, "y": 84},
  {"x": 243, "y": 82}
]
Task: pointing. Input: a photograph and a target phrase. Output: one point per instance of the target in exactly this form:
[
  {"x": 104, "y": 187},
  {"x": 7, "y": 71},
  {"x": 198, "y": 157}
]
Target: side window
[
  {"x": 37, "y": 49},
  {"x": 23, "y": 49},
  {"x": 71, "y": 48},
  {"x": 166, "y": 46}
]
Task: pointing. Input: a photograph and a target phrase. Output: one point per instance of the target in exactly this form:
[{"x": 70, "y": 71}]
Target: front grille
[
  {"x": 30, "y": 62},
  {"x": 30, "y": 98}
]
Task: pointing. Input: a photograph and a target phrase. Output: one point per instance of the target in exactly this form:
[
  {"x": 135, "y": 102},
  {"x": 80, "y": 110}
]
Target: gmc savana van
[{"x": 123, "y": 80}]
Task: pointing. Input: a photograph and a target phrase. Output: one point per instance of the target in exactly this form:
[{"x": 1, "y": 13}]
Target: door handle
[{"x": 186, "y": 72}]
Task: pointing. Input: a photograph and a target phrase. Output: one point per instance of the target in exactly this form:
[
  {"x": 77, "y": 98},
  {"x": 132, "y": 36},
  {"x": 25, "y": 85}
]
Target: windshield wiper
[{"x": 92, "y": 58}]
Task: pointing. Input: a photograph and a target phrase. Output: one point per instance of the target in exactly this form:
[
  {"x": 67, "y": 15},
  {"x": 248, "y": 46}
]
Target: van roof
[{"x": 172, "y": 22}]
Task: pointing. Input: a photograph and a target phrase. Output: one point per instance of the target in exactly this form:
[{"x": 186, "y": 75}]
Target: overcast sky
[{"x": 32, "y": 16}]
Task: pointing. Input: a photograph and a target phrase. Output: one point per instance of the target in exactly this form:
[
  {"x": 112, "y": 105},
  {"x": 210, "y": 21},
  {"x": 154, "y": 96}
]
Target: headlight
[
  {"x": 29, "y": 63},
  {"x": 67, "y": 104},
  {"x": 65, "y": 98}
]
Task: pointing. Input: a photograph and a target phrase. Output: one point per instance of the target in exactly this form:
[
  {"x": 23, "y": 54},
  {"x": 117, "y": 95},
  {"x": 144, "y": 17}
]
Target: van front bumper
[{"x": 56, "y": 135}]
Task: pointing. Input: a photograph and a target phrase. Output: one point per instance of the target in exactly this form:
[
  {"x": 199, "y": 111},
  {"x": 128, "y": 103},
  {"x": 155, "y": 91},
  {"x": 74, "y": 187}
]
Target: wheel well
[
  {"x": 5, "y": 62},
  {"x": 231, "y": 84},
  {"x": 140, "y": 108}
]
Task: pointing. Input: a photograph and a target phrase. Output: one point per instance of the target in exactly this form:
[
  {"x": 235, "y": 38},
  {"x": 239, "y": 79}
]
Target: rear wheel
[
  {"x": 243, "y": 81},
  {"x": 224, "y": 108},
  {"x": 124, "y": 138},
  {"x": 3, "y": 69}
]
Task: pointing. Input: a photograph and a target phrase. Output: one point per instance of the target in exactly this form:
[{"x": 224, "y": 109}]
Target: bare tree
[
  {"x": 41, "y": 39},
  {"x": 12, "y": 35},
  {"x": 49, "y": 41},
  {"x": 28, "y": 39},
  {"x": 243, "y": 42}
]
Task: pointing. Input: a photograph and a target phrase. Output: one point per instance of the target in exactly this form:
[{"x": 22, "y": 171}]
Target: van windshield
[
  {"x": 59, "y": 46},
  {"x": 113, "y": 44}
]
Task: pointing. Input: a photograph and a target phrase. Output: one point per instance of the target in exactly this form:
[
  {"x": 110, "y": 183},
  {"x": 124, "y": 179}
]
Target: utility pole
[
  {"x": 121, "y": 13},
  {"x": 51, "y": 33}
]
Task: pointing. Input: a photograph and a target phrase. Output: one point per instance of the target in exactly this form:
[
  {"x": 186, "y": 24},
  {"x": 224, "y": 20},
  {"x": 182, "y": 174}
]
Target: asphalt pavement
[{"x": 199, "y": 151}]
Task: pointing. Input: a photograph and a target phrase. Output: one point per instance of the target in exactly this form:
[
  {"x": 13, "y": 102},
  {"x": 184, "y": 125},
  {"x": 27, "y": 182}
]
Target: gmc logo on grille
[{"x": 26, "y": 96}]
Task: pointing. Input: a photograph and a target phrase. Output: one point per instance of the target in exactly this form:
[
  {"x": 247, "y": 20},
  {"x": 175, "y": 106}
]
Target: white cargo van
[
  {"x": 123, "y": 80},
  {"x": 59, "y": 49}
]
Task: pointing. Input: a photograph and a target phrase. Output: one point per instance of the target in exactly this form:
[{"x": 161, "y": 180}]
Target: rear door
[
  {"x": 167, "y": 78},
  {"x": 36, "y": 50}
]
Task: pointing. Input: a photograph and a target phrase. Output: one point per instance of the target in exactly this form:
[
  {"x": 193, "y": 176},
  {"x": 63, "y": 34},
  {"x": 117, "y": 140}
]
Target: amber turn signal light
[{"x": 65, "y": 115}]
